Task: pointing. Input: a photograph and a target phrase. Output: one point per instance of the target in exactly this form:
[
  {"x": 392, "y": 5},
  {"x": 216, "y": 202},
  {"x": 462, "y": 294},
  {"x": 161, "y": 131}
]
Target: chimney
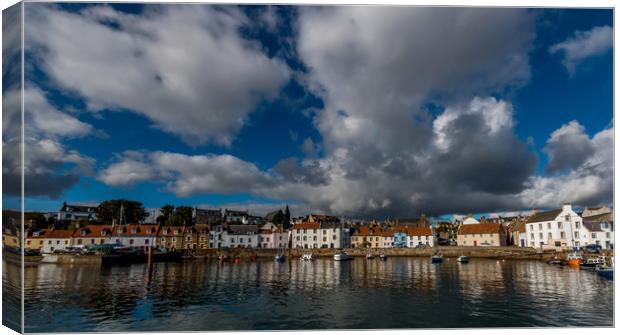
[{"x": 566, "y": 206}]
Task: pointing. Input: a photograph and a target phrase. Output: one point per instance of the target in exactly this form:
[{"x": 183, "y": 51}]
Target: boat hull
[{"x": 573, "y": 262}]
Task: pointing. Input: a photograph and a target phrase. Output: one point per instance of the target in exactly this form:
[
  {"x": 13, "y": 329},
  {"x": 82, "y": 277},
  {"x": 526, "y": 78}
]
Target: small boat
[
  {"x": 307, "y": 257},
  {"x": 279, "y": 258},
  {"x": 383, "y": 257},
  {"x": 605, "y": 271},
  {"x": 369, "y": 256},
  {"x": 436, "y": 259},
  {"x": 556, "y": 261},
  {"x": 341, "y": 256},
  {"x": 463, "y": 259},
  {"x": 573, "y": 259},
  {"x": 592, "y": 263}
]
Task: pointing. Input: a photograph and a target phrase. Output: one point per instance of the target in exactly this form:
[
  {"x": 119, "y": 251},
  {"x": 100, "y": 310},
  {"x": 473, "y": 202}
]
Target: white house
[
  {"x": 306, "y": 235},
  {"x": 420, "y": 236},
  {"x": 600, "y": 229},
  {"x": 216, "y": 237},
  {"x": 134, "y": 235},
  {"x": 333, "y": 235},
  {"x": 75, "y": 212},
  {"x": 56, "y": 240},
  {"x": 273, "y": 237},
  {"x": 241, "y": 236},
  {"x": 559, "y": 228}
]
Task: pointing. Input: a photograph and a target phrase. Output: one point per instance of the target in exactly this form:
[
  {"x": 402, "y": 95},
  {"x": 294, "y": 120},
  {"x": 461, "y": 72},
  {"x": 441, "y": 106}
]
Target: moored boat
[
  {"x": 341, "y": 256},
  {"x": 383, "y": 257},
  {"x": 436, "y": 259},
  {"x": 605, "y": 271},
  {"x": 556, "y": 261},
  {"x": 463, "y": 259},
  {"x": 279, "y": 258},
  {"x": 307, "y": 257},
  {"x": 369, "y": 256},
  {"x": 592, "y": 263},
  {"x": 574, "y": 259}
]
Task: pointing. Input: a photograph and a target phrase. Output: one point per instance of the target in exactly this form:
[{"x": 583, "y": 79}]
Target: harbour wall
[{"x": 454, "y": 251}]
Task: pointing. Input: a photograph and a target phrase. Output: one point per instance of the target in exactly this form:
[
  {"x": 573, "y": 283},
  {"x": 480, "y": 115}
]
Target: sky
[{"x": 359, "y": 111}]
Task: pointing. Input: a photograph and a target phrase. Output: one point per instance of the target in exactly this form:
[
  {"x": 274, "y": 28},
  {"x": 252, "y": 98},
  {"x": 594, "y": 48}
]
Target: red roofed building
[
  {"x": 482, "y": 234},
  {"x": 56, "y": 240},
  {"x": 420, "y": 236},
  {"x": 366, "y": 237},
  {"x": 91, "y": 234}
]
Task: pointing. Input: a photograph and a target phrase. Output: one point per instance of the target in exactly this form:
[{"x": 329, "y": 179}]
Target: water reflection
[{"x": 397, "y": 293}]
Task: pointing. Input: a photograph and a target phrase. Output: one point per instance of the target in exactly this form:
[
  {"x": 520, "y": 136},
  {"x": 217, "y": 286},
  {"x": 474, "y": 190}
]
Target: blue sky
[{"x": 357, "y": 111}]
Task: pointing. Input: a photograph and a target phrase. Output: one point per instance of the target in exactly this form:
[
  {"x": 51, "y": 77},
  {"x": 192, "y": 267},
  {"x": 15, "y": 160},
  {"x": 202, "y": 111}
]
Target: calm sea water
[{"x": 360, "y": 294}]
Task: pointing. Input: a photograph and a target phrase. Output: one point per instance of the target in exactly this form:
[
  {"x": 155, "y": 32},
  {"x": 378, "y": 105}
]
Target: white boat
[
  {"x": 383, "y": 257},
  {"x": 593, "y": 262},
  {"x": 463, "y": 259},
  {"x": 369, "y": 256},
  {"x": 279, "y": 258},
  {"x": 341, "y": 256},
  {"x": 307, "y": 257}
]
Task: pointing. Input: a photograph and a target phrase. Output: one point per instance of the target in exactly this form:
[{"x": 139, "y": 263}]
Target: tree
[
  {"x": 109, "y": 211},
  {"x": 185, "y": 214},
  {"x": 166, "y": 214}
]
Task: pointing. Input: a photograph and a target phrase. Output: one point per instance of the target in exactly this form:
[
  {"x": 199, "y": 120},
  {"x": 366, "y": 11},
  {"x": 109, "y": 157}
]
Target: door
[{"x": 475, "y": 243}]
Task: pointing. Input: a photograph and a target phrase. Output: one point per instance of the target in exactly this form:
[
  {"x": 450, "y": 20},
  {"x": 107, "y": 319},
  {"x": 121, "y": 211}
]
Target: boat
[
  {"x": 383, "y": 257},
  {"x": 592, "y": 263},
  {"x": 574, "y": 259},
  {"x": 279, "y": 258},
  {"x": 463, "y": 259},
  {"x": 605, "y": 271},
  {"x": 369, "y": 256},
  {"x": 556, "y": 261},
  {"x": 436, "y": 259},
  {"x": 341, "y": 256},
  {"x": 307, "y": 257}
]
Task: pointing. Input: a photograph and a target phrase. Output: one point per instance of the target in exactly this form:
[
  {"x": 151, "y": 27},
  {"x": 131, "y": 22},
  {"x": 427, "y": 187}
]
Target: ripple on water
[{"x": 362, "y": 294}]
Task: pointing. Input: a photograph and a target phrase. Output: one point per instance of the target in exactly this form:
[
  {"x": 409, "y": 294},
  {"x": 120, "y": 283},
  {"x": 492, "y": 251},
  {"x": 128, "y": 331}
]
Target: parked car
[
  {"x": 592, "y": 248},
  {"x": 485, "y": 244},
  {"x": 452, "y": 243},
  {"x": 421, "y": 246}
]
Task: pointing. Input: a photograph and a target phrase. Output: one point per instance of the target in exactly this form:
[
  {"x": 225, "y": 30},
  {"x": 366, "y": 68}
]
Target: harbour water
[{"x": 323, "y": 294}]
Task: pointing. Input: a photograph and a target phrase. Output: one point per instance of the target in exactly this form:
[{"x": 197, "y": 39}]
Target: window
[
  {"x": 79, "y": 241},
  {"x": 324, "y": 239},
  {"x": 240, "y": 239},
  {"x": 559, "y": 225},
  {"x": 577, "y": 225},
  {"x": 549, "y": 236},
  {"x": 576, "y": 234},
  {"x": 540, "y": 235},
  {"x": 548, "y": 225},
  {"x": 607, "y": 235},
  {"x": 146, "y": 241},
  {"x": 130, "y": 241},
  {"x": 593, "y": 235},
  {"x": 567, "y": 217},
  {"x": 562, "y": 235},
  {"x": 540, "y": 226}
]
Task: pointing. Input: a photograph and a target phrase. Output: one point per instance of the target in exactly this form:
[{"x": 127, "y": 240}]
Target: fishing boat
[
  {"x": 436, "y": 259},
  {"x": 307, "y": 257},
  {"x": 605, "y": 270},
  {"x": 279, "y": 258},
  {"x": 383, "y": 257},
  {"x": 341, "y": 256},
  {"x": 574, "y": 259},
  {"x": 592, "y": 263},
  {"x": 463, "y": 259}
]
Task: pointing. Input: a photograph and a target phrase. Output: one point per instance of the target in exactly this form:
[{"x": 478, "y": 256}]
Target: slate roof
[
  {"x": 243, "y": 229},
  {"x": 544, "y": 216},
  {"x": 605, "y": 217}
]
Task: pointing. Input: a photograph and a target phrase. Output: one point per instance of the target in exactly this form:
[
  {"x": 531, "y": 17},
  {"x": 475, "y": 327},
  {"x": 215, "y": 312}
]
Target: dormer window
[
  {"x": 84, "y": 232},
  {"x": 176, "y": 232},
  {"x": 134, "y": 230},
  {"x": 120, "y": 230},
  {"x": 104, "y": 232}
]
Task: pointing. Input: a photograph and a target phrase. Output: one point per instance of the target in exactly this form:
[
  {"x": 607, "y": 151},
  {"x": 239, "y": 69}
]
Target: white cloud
[
  {"x": 186, "y": 68},
  {"x": 583, "y": 45},
  {"x": 589, "y": 182}
]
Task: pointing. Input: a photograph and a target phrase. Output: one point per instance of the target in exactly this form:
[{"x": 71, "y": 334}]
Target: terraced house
[
  {"x": 366, "y": 237},
  {"x": 91, "y": 235},
  {"x": 170, "y": 237},
  {"x": 420, "y": 236},
  {"x": 306, "y": 235}
]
